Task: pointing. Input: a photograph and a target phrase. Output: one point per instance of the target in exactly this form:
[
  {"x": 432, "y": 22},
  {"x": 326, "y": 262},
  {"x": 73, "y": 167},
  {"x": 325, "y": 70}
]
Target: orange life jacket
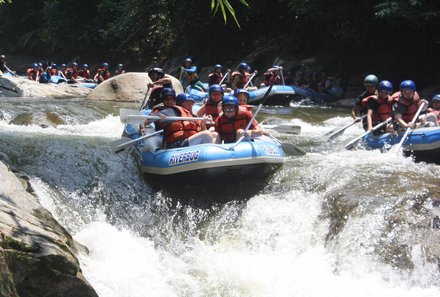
[
  {"x": 178, "y": 130},
  {"x": 227, "y": 127}
]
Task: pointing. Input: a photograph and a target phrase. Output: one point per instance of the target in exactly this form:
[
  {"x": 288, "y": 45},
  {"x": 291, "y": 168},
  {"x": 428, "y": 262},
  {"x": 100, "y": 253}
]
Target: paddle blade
[
  {"x": 285, "y": 129},
  {"x": 336, "y": 134},
  {"x": 120, "y": 145},
  {"x": 292, "y": 150},
  {"x": 351, "y": 145}
]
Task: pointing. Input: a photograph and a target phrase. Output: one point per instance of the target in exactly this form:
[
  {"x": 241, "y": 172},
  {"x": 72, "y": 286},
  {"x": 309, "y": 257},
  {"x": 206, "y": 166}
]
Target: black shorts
[{"x": 179, "y": 143}]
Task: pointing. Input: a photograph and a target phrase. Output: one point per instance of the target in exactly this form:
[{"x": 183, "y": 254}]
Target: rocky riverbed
[{"x": 38, "y": 257}]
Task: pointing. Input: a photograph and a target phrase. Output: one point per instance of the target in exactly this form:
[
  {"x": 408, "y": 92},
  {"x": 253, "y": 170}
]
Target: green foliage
[{"x": 225, "y": 5}]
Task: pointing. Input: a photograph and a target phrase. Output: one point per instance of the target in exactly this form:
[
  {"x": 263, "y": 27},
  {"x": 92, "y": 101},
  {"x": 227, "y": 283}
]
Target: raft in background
[
  {"x": 334, "y": 94},
  {"x": 279, "y": 95},
  {"x": 423, "y": 143},
  {"x": 248, "y": 160}
]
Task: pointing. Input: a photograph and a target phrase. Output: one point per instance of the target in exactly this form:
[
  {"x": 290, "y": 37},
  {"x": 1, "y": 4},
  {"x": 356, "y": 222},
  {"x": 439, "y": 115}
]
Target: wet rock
[
  {"x": 129, "y": 87},
  {"x": 37, "y": 255}
]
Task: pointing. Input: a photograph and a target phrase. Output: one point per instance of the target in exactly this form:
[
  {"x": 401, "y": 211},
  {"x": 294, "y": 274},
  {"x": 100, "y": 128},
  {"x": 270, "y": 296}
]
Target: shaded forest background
[{"x": 395, "y": 39}]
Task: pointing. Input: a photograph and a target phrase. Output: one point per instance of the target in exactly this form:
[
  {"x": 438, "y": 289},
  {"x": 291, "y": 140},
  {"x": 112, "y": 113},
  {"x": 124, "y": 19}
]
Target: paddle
[
  {"x": 133, "y": 116},
  {"x": 280, "y": 70},
  {"x": 253, "y": 117},
  {"x": 250, "y": 79},
  {"x": 10, "y": 71},
  {"x": 121, "y": 144},
  {"x": 352, "y": 143},
  {"x": 224, "y": 77},
  {"x": 289, "y": 148},
  {"x": 340, "y": 131},
  {"x": 409, "y": 129},
  {"x": 145, "y": 98},
  {"x": 284, "y": 128}
]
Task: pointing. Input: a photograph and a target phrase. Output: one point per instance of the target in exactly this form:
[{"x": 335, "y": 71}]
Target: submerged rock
[
  {"x": 129, "y": 87},
  {"x": 37, "y": 255}
]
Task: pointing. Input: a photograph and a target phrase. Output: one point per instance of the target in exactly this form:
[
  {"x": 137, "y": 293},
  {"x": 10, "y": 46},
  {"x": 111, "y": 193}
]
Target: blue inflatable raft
[
  {"x": 279, "y": 95},
  {"x": 422, "y": 143},
  {"x": 208, "y": 162},
  {"x": 318, "y": 97}
]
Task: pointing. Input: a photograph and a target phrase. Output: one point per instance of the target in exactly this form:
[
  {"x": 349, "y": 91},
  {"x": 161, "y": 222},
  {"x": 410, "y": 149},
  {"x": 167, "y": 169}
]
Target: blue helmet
[
  {"x": 408, "y": 84},
  {"x": 168, "y": 92},
  {"x": 85, "y": 65},
  {"x": 243, "y": 66},
  {"x": 104, "y": 64},
  {"x": 183, "y": 97},
  {"x": 76, "y": 64},
  {"x": 120, "y": 65},
  {"x": 63, "y": 65},
  {"x": 230, "y": 100},
  {"x": 35, "y": 65},
  {"x": 436, "y": 98},
  {"x": 188, "y": 60},
  {"x": 215, "y": 88},
  {"x": 385, "y": 85},
  {"x": 217, "y": 66},
  {"x": 54, "y": 65},
  {"x": 40, "y": 64},
  {"x": 241, "y": 91}
]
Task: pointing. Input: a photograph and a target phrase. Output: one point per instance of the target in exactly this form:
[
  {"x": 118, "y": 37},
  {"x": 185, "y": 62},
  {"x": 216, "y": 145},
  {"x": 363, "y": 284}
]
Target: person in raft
[
  {"x": 230, "y": 125},
  {"x": 179, "y": 133}
]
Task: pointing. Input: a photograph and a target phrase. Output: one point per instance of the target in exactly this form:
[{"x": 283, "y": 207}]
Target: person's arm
[
  {"x": 355, "y": 112},
  {"x": 201, "y": 111},
  {"x": 398, "y": 111},
  {"x": 191, "y": 69},
  {"x": 370, "y": 119}
]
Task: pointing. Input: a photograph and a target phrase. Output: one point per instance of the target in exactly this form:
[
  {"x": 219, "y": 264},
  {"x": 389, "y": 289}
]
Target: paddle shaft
[
  {"x": 141, "y": 118},
  {"x": 224, "y": 77},
  {"x": 250, "y": 79},
  {"x": 354, "y": 141},
  {"x": 253, "y": 117},
  {"x": 339, "y": 131},
  {"x": 409, "y": 129},
  {"x": 145, "y": 98},
  {"x": 121, "y": 146}
]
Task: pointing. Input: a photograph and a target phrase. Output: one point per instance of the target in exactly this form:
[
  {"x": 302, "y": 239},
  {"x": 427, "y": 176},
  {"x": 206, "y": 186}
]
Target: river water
[{"x": 331, "y": 223}]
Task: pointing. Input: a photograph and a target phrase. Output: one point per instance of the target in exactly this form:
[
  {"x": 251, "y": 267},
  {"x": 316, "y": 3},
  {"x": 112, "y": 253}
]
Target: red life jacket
[
  {"x": 383, "y": 112},
  {"x": 84, "y": 73},
  {"x": 215, "y": 78},
  {"x": 411, "y": 105},
  {"x": 104, "y": 73},
  {"x": 178, "y": 130},
  {"x": 242, "y": 79},
  {"x": 211, "y": 108},
  {"x": 246, "y": 107},
  {"x": 365, "y": 100},
  {"x": 72, "y": 73},
  {"x": 32, "y": 73},
  {"x": 227, "y": 127}
]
